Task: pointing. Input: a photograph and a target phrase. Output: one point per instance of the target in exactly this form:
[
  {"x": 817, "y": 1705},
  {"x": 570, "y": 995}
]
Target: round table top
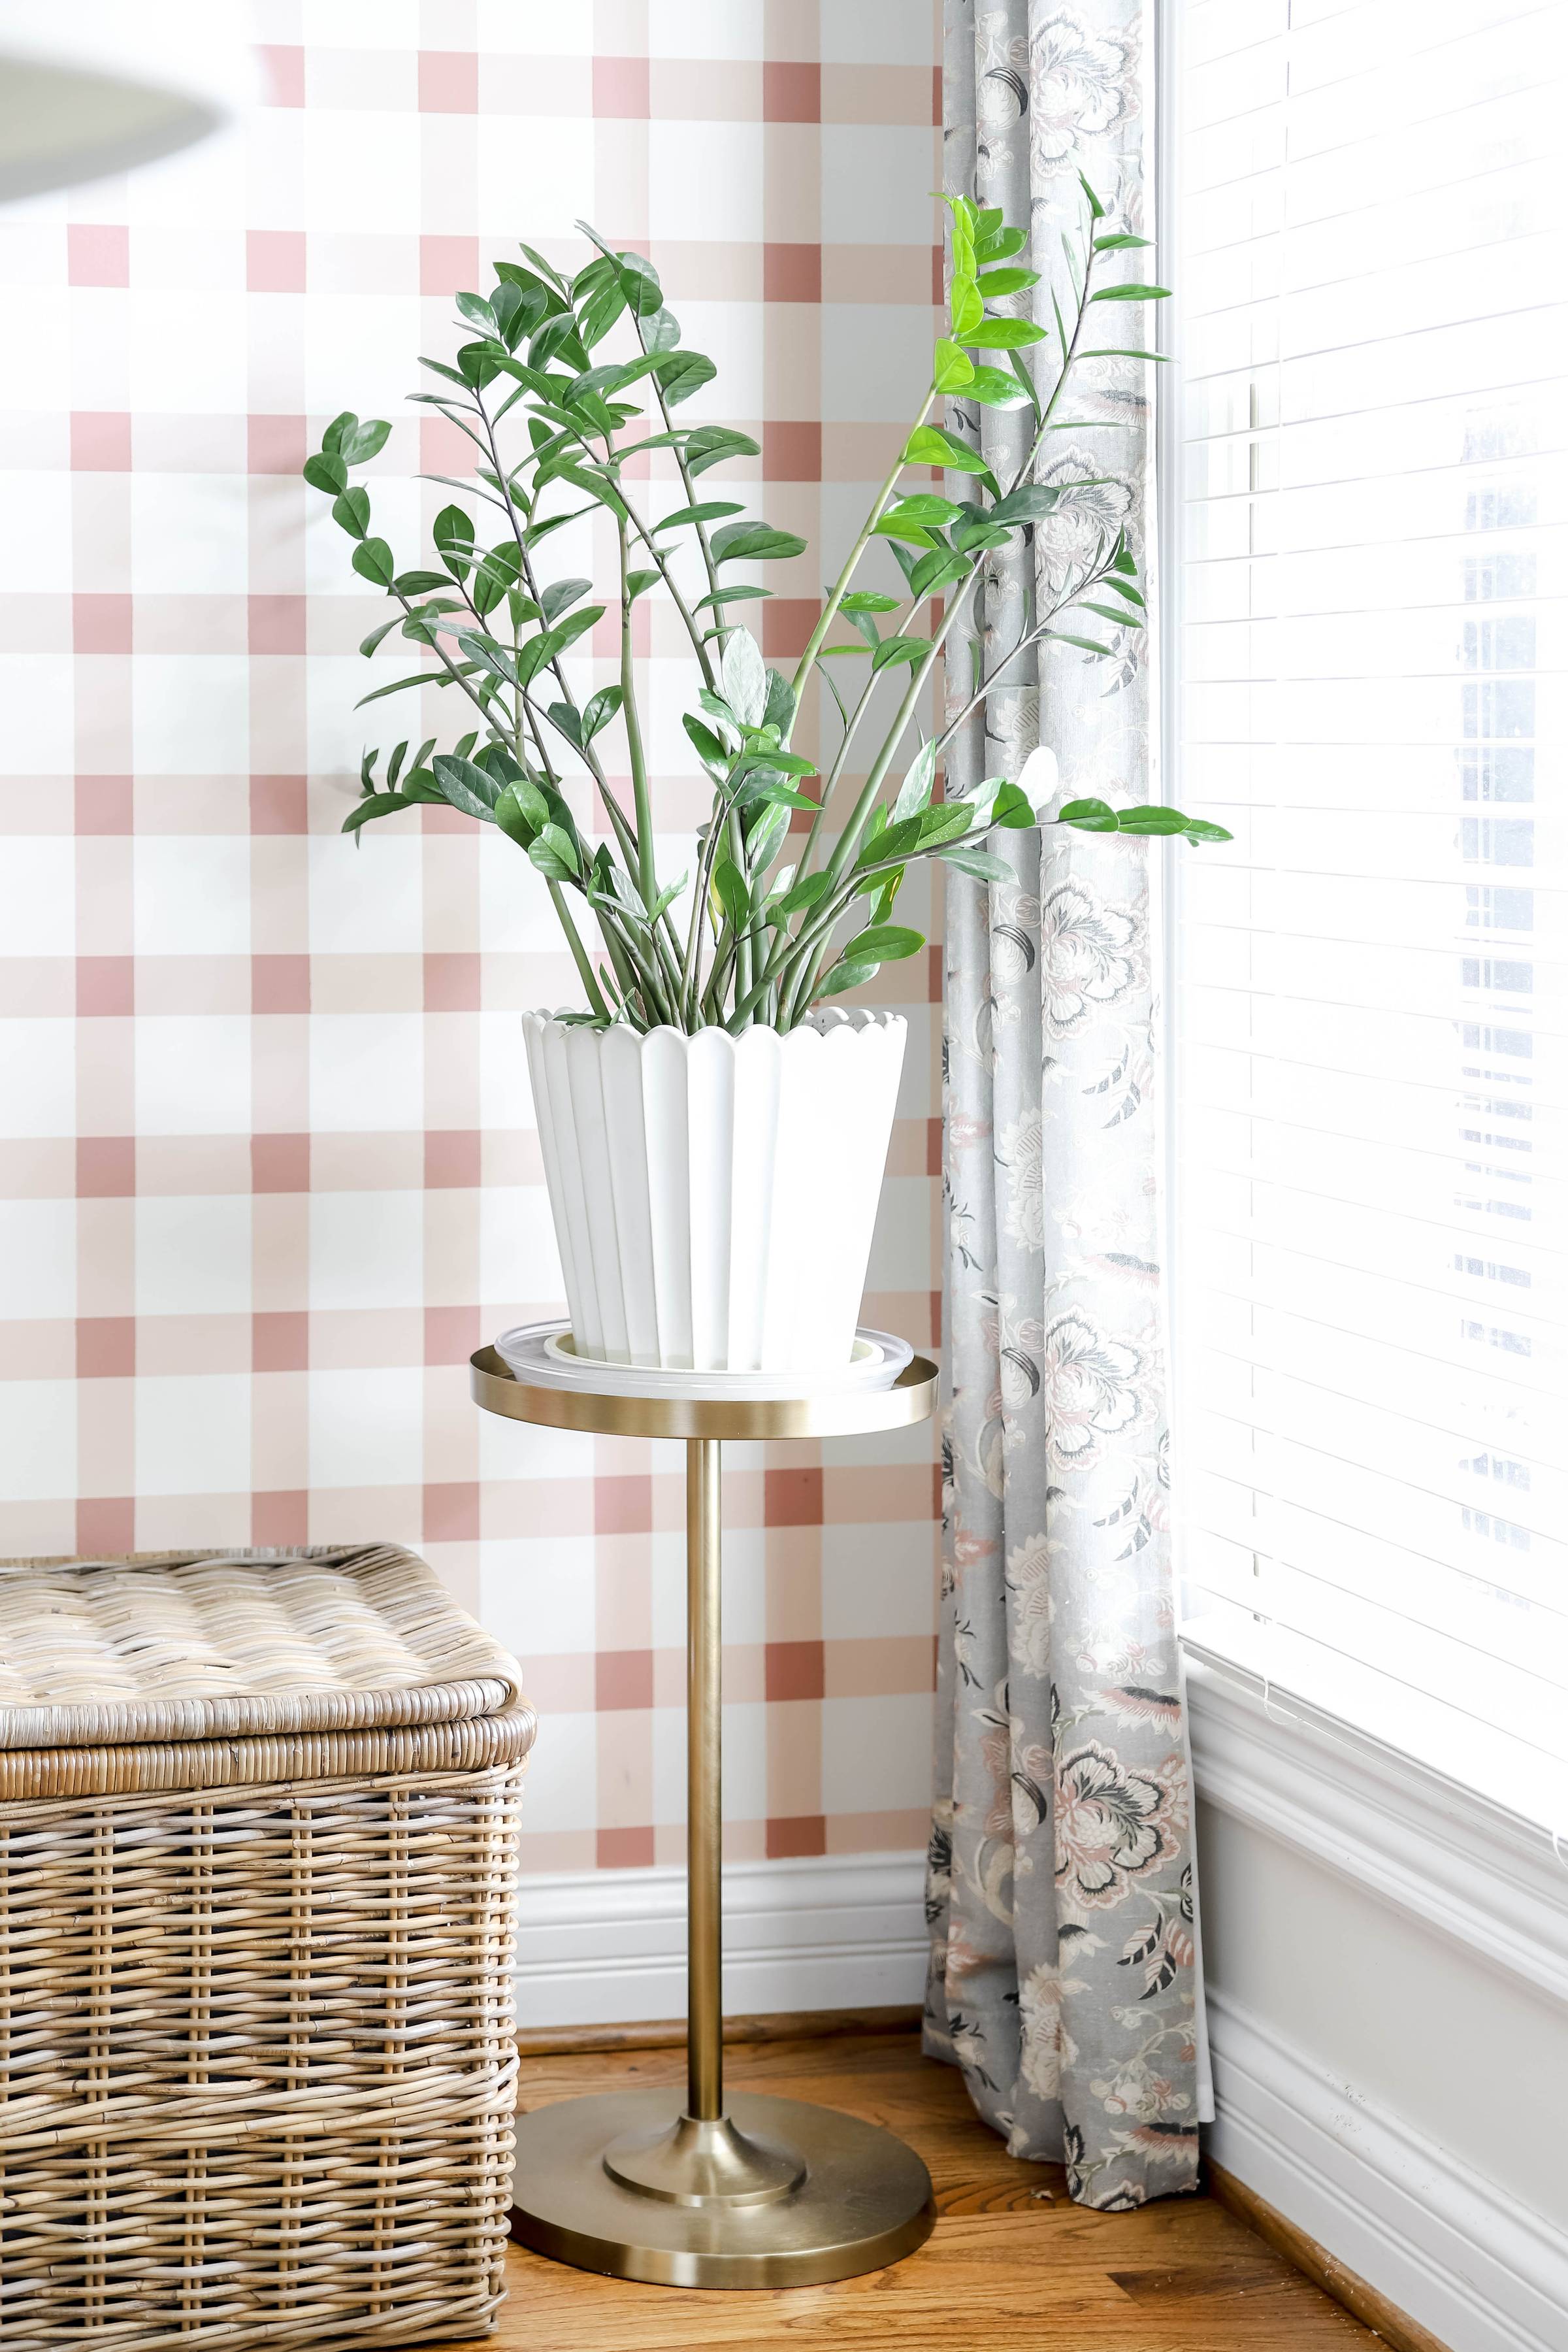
[{"x": 843, "y": 1414}]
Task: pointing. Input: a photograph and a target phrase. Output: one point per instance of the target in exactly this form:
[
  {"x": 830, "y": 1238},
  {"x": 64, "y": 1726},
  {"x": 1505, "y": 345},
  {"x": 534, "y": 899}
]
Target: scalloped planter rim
[{"x": 714, "y": 1196}]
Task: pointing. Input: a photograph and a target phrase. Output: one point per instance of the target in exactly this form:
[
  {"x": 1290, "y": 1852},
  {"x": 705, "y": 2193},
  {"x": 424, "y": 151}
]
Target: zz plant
[{"x": 750, "y": 939}]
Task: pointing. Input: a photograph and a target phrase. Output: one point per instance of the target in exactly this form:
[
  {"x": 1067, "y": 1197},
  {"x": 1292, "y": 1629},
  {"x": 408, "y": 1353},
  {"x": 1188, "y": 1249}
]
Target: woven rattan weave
[{"x": 257, "y": 1870}]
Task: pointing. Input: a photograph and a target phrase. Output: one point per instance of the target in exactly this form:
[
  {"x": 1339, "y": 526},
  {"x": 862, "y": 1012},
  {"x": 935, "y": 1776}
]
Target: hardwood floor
[{"x": 1012, "y": 2267}]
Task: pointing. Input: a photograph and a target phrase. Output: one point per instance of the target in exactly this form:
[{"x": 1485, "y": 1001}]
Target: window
[{"x": 1367, "y": 496}]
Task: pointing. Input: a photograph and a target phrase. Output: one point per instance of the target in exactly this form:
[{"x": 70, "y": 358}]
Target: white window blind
[{"x": 1368, "y": 498}]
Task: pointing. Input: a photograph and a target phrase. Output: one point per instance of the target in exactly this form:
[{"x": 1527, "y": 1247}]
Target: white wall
[{"x": 1386, "y": 1964}]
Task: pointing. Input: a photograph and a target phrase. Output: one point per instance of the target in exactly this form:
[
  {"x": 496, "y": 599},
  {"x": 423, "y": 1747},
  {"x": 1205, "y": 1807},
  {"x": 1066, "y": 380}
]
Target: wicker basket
[{"x": 257, "y": 1867}]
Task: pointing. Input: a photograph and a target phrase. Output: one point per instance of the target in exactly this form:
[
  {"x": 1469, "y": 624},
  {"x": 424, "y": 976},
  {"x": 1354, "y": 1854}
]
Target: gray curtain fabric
[{"x": 1060, "y": 1891}]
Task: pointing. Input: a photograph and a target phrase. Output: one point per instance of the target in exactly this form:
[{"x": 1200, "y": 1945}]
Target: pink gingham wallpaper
[{"x": 268, "y": 1163}]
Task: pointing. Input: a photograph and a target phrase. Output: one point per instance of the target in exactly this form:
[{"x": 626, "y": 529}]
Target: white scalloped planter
[{"x": 714, "y": 1196}]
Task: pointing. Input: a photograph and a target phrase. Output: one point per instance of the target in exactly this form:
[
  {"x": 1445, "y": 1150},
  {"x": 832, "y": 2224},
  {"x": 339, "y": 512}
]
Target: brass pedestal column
[{"x": 755, "y": 2191}]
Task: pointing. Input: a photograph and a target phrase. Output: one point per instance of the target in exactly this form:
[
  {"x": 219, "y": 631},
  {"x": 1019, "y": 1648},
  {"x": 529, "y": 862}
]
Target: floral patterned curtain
[{"x": 1060, "y": 1892}]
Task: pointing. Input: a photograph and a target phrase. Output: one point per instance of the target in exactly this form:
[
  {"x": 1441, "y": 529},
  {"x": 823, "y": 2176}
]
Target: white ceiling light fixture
[{"x": 96, "y": 86}]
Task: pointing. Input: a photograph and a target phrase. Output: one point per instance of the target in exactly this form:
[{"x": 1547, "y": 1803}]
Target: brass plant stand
[{"x": 761, "y": 2192}]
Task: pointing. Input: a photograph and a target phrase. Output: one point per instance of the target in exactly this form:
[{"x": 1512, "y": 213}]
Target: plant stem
[
  {"x": 585, "y": 970},
  {"x": 647, "y": 878},
  {"x": 841, "y": 585}
]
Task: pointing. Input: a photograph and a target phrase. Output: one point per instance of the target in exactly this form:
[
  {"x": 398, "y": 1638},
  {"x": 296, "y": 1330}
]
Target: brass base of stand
[{"x": 708, "y": 2210}]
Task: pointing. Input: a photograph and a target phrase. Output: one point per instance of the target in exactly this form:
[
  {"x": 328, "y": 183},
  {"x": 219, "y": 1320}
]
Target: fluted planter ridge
[{"x": 714, "y": 1196}]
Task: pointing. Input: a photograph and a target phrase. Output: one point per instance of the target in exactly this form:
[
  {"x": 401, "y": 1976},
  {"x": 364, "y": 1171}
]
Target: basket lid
[{"x": 213, "y": 1644}]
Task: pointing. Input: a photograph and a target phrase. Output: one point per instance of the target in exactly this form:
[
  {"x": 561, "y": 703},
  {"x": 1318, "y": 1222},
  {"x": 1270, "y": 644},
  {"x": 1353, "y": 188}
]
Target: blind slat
[{"x": 1370, "y": 1178}]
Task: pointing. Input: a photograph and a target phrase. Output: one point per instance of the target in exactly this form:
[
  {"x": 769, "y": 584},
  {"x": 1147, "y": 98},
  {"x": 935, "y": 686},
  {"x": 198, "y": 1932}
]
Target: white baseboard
[
  {"x": 608, "y": 1948},
  {"x": 1447, "y": 2247}
]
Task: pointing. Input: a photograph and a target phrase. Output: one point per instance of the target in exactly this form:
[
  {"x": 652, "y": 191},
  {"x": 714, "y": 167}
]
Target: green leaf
[
  {"x": 1151, "y": 818},
  {"x": 479, "y": 314},
  {"x": 1121, "y": 620},
  {"x": 945, "y": 821},
  {"x": 521, "y": 812},
  {"x": 1096, "y": 209},
  {"x": 1084, "y": 645},
  {"x": 453, "y": 534},
  {"x": 567, "y": 633},
  {"x": 421, "y": 583},
  {"x": 682, "y": 372},
  {"x": 709, "y": 747},
  {"x": 730, "y": 884},
  {"x": 894, "y": 651},
  {"x": 936, "y": 570},
  {"x": 913, "y": 534},
  {"x": 372, "y": 559},
  {"x": 368, "y": 644},
  {"x": 776, "y": 795},
  {"x": 993, "y": 388},
  {"x": 926, "y": 506},
  {"x": 710, "y": 444},
  {"x": 342, "y": 427},
  {"x": 979, "y": 533},
  {"x": 640, "y": 282},
  {"x": 784, "y": 763},
  {"x": 885, "y": 943},
  {"x": 374, "y": 804},
  {"x": 967, "y": 307},
  {"x": 932, "y": 444},
  {"x": 779, "y": 710},
  {"x": 599, "y": 711},
  {"x": 493, "y": 657},
  {"x": 743, "y": 675},
  {"x": 401, "y": 685},
  {"x": 1132, "y": 294},
  {"x": 352, "y": 512},
  {"x": 1005, "y": 334},
  {"x": 867, "y": 600},
  {"x": 1119, "y": 243},
  {"x": 1011, "y": 807},
  {"x": 754, "y": 543},
  {"x": 662, "y": 333},
  {"x": 711, "y": 512},
  {"x": 559, "y": 846},
  {"x": 1161, "y": 359},
  {"x": 994, "y": 283},
  {"x": 1031, "y": 503},
  {"x": 804, "y": 893},
  {"x": 325, "y": 471},
  {"x": 919, "y": 782},
  {"x": 468, "y": 789},
  {"x": 737, "y": 596},
  {"x": 365, "y": 442},
  {"x": 845, "y": 975},
  {"x": 1023, "y": 375},
  {"x": 1199, "y": 828},
  {"x": 1088, "y": 816},
  {"x": 1001, "y": 245},
  {"x": 555, "y": 599},
  {"x": 953, "y": 367},
  {"x": 983, "y": 864},
  {"x": 599, "y": 315}
]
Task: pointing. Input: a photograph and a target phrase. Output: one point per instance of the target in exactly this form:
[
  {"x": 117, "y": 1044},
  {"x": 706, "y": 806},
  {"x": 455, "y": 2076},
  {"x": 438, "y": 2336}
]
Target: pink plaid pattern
[{"x": 268, "y": 1170}]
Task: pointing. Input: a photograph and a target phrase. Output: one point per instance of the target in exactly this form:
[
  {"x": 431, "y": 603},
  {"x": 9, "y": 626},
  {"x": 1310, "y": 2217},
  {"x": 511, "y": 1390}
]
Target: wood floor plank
[{"x": 1012, "y": 2261}]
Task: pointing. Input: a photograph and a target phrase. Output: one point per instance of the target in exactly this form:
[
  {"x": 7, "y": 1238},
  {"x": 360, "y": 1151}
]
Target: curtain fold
[{"x": 1060, "y": 1890}]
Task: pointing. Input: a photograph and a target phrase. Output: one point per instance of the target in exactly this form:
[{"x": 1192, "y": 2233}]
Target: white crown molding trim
[
  {"x": 1458, "y": 2253},
  {"x": 609, "y": 1946},
  {"x": 1484, "y": 1877}
]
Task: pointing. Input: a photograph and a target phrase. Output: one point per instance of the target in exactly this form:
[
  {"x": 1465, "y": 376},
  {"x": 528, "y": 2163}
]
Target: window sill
[{"x": 1479, "y": 1873}]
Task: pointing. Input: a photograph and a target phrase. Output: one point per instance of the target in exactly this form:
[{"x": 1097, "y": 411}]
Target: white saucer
[{"x": 542, "y": 1354}]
